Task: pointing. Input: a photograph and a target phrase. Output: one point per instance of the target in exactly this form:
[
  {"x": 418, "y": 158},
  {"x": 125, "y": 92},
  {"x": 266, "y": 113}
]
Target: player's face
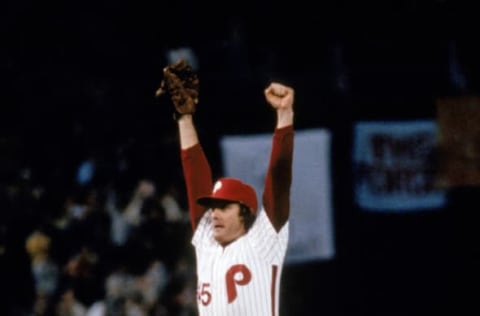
[{"x": 227, "y": 222}]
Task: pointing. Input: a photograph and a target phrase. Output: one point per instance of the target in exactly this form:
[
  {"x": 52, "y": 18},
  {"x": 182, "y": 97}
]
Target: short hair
[{"x": 247, "y": 215}]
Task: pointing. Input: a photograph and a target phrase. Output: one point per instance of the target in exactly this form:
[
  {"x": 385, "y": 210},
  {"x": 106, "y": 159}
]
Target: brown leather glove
[{"x": 181, "y": 83}]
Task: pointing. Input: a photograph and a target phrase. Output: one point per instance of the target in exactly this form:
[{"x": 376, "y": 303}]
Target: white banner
[
  {"x": 394, "y": 166},
  {"x": 311, "y": 224}
]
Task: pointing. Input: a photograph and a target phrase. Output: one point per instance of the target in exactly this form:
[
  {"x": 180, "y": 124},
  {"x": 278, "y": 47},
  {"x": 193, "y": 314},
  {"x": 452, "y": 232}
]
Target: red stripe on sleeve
[{"x": 273, "y": 288}]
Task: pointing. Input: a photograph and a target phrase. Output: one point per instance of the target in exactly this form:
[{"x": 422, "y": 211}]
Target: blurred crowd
[{"x": 91, "y": 250}]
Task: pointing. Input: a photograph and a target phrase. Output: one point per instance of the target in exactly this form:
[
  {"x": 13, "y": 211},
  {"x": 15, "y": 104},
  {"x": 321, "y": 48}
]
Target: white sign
[{"x": 311, "y": 224}]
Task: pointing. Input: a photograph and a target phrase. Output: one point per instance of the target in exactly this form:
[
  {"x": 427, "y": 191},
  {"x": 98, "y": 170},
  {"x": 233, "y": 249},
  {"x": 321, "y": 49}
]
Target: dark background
[{"x": 78, "y": 79}]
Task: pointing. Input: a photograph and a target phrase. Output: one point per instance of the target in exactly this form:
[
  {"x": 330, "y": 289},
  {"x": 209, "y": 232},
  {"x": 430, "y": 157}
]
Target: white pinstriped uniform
[{"x": 242, "y": 279}]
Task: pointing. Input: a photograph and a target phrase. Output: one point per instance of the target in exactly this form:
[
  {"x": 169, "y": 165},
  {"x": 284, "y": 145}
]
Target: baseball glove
[{"x": 181, "y": 83}]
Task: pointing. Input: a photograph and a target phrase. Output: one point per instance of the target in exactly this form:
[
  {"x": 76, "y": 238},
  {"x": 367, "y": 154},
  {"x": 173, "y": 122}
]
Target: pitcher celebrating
[{"x": 240, "y": 245}]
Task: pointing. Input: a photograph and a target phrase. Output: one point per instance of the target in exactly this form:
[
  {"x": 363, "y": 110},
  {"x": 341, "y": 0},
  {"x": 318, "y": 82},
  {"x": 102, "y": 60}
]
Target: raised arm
[
  {"x": 276, "y": 195},
  {"x": 181, "y": 84},
  {"x": 196, "y": 169}
]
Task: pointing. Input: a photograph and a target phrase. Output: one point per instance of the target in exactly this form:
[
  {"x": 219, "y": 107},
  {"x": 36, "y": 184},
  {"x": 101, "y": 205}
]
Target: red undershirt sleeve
[
  {"x": 276, "y": 195},
  {"x": 198, "y": 180}
]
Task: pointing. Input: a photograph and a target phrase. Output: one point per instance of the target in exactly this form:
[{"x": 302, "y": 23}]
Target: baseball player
[{"x": 240, "y": 244}]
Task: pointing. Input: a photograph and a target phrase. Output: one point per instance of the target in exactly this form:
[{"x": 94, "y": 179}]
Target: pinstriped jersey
[{"x": 242, "y": 279}]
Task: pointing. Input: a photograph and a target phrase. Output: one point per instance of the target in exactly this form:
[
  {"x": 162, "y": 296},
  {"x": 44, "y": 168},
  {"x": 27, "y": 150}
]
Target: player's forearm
[
  {"x": 187, "y": 132},
  {"x": 280, "y": 167},
  {"x": 284, "y": 117}
]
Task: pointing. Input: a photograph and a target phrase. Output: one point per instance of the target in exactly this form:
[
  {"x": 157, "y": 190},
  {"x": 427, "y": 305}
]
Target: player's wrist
[
  {"x": 285, "y": 117},
  {"x": 182, "y": 117}
]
